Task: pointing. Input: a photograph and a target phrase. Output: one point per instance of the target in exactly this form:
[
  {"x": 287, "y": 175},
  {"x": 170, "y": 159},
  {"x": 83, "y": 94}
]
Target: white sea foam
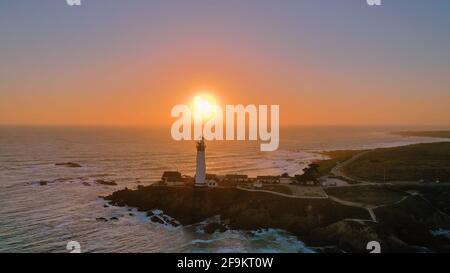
[{"x": 441, "y": 232}]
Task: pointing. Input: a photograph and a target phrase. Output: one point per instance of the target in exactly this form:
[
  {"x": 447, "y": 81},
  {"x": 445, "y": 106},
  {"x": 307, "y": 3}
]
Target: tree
[
  {"x": 314, "y": 168},
  {"x": 310, "y": 174}
]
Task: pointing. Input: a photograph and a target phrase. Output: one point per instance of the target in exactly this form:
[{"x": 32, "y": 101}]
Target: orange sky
[
  {"x": 129, "y": 65},
  {"x": 136, "y": 94}
]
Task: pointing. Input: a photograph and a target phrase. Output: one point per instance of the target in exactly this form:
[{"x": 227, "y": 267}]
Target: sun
[{"x": 204, "y": 107}]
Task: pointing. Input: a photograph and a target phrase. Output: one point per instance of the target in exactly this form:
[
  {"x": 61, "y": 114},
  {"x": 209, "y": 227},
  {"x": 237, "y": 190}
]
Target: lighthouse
[{"x": 201, "y": 164}]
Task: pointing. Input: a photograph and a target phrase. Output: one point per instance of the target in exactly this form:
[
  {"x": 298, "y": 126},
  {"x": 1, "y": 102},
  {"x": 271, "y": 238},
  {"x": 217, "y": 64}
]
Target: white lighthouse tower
[{"x": 200, "y": 174}]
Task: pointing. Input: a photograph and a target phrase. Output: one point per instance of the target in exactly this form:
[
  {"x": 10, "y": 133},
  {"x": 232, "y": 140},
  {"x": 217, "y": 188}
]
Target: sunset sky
[{"x": 128, "y": 62}]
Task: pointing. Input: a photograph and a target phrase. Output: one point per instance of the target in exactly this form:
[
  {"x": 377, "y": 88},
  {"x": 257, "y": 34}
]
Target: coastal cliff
[
  {"x": 317, "y": 222},
  {"x": 241, "y": 209}
]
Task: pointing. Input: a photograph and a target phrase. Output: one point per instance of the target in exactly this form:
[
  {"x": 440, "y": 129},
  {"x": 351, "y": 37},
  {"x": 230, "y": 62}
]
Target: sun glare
[{"x": 204, "y": 106}]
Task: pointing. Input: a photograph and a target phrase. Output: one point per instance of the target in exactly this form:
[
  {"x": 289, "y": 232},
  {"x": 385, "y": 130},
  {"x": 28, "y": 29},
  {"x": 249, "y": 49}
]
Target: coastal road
[{"x": 337, "y": 170}]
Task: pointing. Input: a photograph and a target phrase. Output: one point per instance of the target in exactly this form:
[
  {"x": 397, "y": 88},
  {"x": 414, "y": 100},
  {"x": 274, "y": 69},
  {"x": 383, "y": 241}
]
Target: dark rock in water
[
  {"x": 43, "y": 183},
  {"x": 213, "y": 227},
  {"x": 174, "y": 223},
  {"x": 62, "y": 179},
  {"x": 250, "y": 234},
  {"x": 69, "y": 164},
  {"x": 114, "y": 219},
  {"x": 86, "y": 184},
  {"x": 106, "y": 182},
  {"x": 102, "y": 219},
  {"x": 131, "y": 214},
  {"x": 157, "y": 219},
  {"x": 170, "y": 220},
  {"x": 105, "y": 206}
]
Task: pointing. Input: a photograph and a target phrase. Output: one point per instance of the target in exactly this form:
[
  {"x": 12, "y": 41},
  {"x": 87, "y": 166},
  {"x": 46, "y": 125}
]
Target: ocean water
[{"x": 36, "y": 218}]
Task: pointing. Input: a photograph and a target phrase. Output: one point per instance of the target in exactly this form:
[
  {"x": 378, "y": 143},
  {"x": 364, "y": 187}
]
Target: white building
[
  {"x": 200, "y": 174},
  {"x": 285, "y": 180},
  {"x": 212, "y": 183}
]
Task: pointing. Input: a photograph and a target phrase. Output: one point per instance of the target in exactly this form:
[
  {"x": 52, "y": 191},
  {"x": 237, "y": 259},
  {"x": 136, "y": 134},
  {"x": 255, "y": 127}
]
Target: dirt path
[
  {"x": 294, "y": 195},
  {"x": 337, "y": 170},
  {"x": 369, "y": 208}
]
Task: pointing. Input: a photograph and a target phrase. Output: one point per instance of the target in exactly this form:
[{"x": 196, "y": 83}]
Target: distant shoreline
[
  {"x": 437, "y": 134},
  {"x": 339, "y": 158}
]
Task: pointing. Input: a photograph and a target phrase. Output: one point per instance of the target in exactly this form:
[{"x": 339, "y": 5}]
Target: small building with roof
[
  {"x": 236, "y": 178},
  {"x": 172, "y": 178}
]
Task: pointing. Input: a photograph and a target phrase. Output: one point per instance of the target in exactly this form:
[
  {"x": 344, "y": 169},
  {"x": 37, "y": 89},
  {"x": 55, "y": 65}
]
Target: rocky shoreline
[{"x": 319, "y": 223}]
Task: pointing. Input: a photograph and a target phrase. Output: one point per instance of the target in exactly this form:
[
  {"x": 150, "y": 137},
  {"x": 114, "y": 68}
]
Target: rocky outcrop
[
  {"x": 106, "y": 182},
  {"x": 403, "y": 227},
  {"x": 243, "y": 210},
  {"x": 353, "y": 236},
  {"x": 161, "y": 218},
  {"x": 157, "y": 219},
  {"x": 69, "y": 164},
  {"x": 213, "y": 227}
]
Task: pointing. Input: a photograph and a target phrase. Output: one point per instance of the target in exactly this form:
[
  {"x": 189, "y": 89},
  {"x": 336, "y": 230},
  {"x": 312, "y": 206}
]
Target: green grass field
[
  {"x": 325, "y": 166},
  {"x": 369, "y": 195},
  {"x": 278, "y": 188},
  {"x": 437, "y": 194},
  {"x": 428, "y": 161}
]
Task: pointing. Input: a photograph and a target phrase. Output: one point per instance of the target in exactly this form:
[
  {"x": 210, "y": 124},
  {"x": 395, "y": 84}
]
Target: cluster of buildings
[
  {"x": 174, "y": 178},
  {"x": 203, "y": 179}
]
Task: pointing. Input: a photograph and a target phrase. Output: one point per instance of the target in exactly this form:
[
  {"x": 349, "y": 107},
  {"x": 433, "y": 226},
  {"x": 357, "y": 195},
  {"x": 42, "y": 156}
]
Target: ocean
[{"x": 44, "y": 218}]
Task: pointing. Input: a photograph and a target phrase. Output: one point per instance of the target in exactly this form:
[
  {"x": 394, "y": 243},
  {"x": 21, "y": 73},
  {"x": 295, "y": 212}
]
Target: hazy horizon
[{"x": 418, "y": 126}]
